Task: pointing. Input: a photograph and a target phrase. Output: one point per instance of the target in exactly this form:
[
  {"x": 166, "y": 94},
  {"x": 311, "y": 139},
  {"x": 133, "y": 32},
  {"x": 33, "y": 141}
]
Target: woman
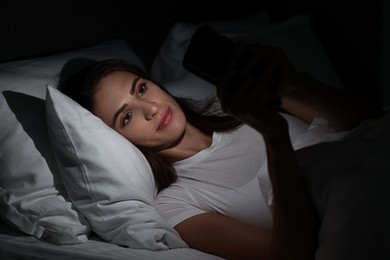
[{"x": 218, "y": 201}]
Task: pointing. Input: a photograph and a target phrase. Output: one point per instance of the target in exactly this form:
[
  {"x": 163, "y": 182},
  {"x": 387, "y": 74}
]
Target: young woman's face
[{"x": 139, "y": 110}]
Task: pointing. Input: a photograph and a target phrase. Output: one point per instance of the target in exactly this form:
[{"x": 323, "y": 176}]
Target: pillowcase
[
  {"x": 193, "y": 87},
  {"x": 32, "y": 196},
  {"x": 107, "y": 178},
  {"x": 294, "y": 36}
]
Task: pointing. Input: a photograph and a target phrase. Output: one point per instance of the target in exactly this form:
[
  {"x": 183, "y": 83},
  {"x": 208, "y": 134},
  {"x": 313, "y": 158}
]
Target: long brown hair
[{"x": 81, "y": 87}]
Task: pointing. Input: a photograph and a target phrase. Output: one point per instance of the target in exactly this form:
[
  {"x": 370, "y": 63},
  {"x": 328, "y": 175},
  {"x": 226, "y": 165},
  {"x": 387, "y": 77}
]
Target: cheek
[
  {"x": 148, "y": 137},
  {"x": 179, "y": 123},
  {"x": 135, "y": 134}
]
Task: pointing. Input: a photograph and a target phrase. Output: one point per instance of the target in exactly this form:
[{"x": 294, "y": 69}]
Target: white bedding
[{"x": 16, "y": 245}]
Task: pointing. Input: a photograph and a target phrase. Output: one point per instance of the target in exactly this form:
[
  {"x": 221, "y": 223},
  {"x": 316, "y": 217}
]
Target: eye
[
  {"x": 141, "y": 90},
  {"x": 127, "y": 118}
]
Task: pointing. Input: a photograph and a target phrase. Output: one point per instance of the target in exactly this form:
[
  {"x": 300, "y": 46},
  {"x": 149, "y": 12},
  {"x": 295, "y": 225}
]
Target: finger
[
  {"x": 250, "y": 99},
  {"x": 259, "y": 99},
  {"x": 226, "y": 88},
  {"x": 234, "y": 85},
  {"x": 260, "y": 61},
  {"x": 242, "y": 101},
  {"x": 242, "y": 52}
]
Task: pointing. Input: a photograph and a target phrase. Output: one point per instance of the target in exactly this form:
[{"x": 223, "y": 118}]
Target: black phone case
[{"x": 208, "y": 53}]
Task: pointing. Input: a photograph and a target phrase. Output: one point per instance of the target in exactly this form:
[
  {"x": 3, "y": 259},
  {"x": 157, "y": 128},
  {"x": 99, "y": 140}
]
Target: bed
[{"x": 48, "y": 213}]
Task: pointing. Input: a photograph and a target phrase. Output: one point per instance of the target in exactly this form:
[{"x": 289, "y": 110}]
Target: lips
[{"x": 165, "y": 120}]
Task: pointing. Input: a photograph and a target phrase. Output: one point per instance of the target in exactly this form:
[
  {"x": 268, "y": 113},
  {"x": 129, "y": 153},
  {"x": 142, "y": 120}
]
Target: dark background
[{"x": 355, "y": 34}]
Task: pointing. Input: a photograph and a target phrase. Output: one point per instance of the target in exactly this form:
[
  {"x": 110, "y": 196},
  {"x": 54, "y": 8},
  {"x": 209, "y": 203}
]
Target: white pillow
[
  {"x": 107, "y": 178},
  {"x": 192, "y": 87},
  {"x": 32, "y": 196},
  {"x": 294, "y": 36}
]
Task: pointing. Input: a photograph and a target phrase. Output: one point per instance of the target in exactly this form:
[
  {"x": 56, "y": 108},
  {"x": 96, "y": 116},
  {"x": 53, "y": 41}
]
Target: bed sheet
[
  {"x": 349, "y": 181},
  {"x": 16, "y": 245}
]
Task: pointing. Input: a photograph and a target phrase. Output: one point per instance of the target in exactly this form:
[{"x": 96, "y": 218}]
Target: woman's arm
[
  {"x": 295, "y": 219},
  {"x": 252, "y": 99},
  {"x": 225, "y": 237},
  {"x": 312, "y": 98}
]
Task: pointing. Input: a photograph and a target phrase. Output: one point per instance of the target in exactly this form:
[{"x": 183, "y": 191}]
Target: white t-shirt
[{"x": 231, "y": 177}]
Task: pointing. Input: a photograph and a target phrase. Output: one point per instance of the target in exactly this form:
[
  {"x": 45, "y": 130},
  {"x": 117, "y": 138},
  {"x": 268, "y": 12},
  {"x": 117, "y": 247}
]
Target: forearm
[
  {"x": 313, "y": 98},
  {"x": 295, "y": 220}
]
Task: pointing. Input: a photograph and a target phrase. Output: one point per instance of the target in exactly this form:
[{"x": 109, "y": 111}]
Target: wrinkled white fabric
[{"x": 107, "y": 178}]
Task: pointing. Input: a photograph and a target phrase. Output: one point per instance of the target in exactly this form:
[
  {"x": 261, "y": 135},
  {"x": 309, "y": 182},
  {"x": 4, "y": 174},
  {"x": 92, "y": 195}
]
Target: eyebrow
[
  {"x": 123, "y": 107},
  {"x": 134, "y": 85}
]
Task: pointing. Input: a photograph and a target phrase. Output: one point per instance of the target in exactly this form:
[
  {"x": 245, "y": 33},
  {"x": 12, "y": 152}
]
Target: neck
[{"x": 193, "y": 142}]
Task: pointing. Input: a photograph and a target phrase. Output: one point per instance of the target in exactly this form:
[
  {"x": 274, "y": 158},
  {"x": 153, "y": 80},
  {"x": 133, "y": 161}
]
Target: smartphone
[{"x": 208, "y": 53}]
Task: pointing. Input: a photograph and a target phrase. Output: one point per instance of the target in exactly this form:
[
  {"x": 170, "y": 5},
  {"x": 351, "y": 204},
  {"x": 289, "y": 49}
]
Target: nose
[{"x": 149, "y": 109}]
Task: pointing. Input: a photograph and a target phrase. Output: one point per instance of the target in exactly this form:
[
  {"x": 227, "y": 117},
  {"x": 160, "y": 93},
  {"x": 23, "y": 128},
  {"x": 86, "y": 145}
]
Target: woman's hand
[
  {"x": 266, "y": 61},
  {"x": 250, "y": 88}
]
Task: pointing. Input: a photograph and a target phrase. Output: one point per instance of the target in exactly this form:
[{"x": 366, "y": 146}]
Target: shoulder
[{"x": 177, "y": 203}]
